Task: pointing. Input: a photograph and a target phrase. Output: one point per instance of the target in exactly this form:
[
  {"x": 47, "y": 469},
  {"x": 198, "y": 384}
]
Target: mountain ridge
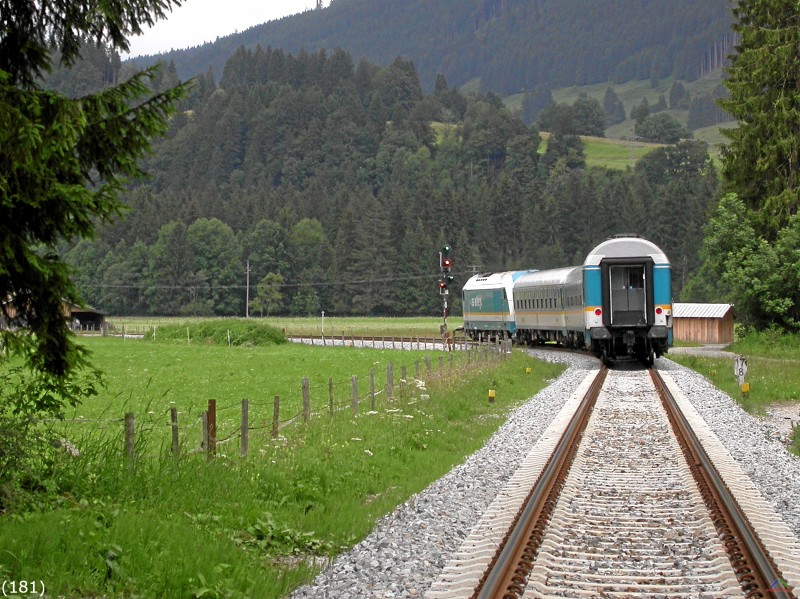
[{"x": 510, "y": 45}]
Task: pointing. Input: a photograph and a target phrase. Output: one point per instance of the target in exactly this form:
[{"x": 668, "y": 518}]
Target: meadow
[
  {"x": 98, "y": 525},
  {"x": 328, "y": 325},
  {"x": 773, "y": 372}
]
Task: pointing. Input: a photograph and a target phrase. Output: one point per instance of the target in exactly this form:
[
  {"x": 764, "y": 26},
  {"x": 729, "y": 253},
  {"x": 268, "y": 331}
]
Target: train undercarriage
[{"x": 644, "y": 345}]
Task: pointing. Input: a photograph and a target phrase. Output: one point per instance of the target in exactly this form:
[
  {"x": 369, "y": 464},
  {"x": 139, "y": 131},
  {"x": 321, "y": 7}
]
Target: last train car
[
  {"x": 627, "y": 287},
  {"x": 488, "y": 305}
]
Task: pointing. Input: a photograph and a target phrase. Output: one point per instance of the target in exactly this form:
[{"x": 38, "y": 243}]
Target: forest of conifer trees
[{"x": 335, "y": 184}]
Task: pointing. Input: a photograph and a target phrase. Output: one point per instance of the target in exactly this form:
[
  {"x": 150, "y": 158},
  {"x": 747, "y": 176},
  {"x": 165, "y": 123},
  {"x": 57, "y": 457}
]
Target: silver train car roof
[
  {"x": 491, "y": 280},
  {"x": 554, "y": 276},
  {"x": 626, "y": 246}
]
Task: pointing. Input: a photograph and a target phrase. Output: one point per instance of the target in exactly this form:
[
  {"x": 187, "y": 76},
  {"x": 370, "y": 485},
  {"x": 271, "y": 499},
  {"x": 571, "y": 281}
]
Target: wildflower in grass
[{"x": 368, "y": 452}]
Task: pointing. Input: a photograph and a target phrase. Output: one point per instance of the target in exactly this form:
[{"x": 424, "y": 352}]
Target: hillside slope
[{"x": 507, "y": 45}]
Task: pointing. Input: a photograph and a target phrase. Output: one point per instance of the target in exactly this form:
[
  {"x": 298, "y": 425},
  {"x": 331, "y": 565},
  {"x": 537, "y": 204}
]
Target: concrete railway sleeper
[{"x": 617, "y": 504}]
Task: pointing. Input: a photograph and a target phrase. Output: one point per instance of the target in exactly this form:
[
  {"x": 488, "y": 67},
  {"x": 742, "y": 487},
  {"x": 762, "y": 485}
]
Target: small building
[
  {"x": 84, "y": 318},
  {"x": 703, "y": 323},
  {"x": 79, "y": 318}
]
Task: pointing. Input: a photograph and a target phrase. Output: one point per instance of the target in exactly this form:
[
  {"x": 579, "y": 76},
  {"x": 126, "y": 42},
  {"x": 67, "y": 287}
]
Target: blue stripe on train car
[
  {"x": 662, "y": 285},
  {"x": 592, "y": 287},
  {"x": 662, "y": 290}
]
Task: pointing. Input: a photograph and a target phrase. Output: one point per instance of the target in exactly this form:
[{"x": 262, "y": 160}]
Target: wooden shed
[
  {"x": 703, "y": 323},
  {"x": 84, "y": 318},
  {"x": 79, "y": 318}
]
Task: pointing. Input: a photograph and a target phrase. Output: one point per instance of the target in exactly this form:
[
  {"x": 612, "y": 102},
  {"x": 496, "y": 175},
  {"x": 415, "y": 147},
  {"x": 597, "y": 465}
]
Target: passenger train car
[
  {"x": 488, "y": 305},
  {"x": 617, "y": 304}
]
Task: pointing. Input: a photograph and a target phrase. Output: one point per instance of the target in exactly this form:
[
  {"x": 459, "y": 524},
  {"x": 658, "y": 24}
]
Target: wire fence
[{"x": 212, "y": 428}]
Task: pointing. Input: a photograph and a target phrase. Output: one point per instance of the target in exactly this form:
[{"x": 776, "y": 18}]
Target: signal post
[{"x": 445, "y": 282}]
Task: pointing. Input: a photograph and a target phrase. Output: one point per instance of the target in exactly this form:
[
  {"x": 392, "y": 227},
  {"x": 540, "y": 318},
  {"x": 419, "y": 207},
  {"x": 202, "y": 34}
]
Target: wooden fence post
[
  {"x": 245, "y": 427},
  {"x": 372, "y": 389},
  {"x": 428, "y": 364},
  {"x": 276, "y": 408},
  {"x": 130, "y": 440},
  {"x": 212, "y": 428},
  {"x": 306, "y": 400},
  {"x": 403, "y": 379},
  {"x": 355, "y": 395},
  {"x": 389, "y": 381},
  {"x": 173, "y": 416},
  {"x": 416, "y": 369},
  {"x": 441, "y": 364},
  {"x": 330, "y": 395}
]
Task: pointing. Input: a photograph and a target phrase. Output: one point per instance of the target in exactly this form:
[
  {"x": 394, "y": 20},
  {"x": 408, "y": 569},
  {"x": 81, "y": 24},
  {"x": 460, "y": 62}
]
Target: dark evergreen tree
[
  {"x": 678, "y": 96},
  {"x": 171, "y": 286},
  {"x": 590, "y": 119},
  {"x": 659, "y": 106},
  {"x": 613, "y": 108},
  {"x": 362, "y": 267},
  {"x": 534, "y": 102},
  {"x": 558, "y": 119},
  {"x": 64, "y": 163},
  {"x": 642, "y": 111},
  {"x": 568, "y": 148}
]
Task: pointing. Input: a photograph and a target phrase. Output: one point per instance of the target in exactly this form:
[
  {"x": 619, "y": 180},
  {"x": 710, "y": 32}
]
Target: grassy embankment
[
  {"x": 773, "y": 372},
  {"x": 235, "y": 527},
  {"x": 615, "y": 150}
]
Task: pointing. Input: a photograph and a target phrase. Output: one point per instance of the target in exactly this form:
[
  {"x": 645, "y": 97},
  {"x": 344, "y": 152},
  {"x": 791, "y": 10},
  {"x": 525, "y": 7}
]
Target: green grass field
[
  {"x": 97, "y": 525},
  {"x": 773, "y": 372},
  {"x": 329, "y": 325}
]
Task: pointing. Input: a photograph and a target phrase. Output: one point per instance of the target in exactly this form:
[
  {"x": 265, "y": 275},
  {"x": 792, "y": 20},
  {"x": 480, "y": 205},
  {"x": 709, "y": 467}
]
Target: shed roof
[{"x": 701, "y": 310}]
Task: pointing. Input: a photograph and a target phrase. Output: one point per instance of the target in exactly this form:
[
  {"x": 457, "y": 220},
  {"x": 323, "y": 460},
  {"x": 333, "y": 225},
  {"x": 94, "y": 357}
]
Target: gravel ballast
[{"x": 408, "y": 548}]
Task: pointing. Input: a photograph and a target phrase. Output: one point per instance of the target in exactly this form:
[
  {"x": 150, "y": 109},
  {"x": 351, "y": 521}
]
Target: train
[{"x": 617, "y": 304}]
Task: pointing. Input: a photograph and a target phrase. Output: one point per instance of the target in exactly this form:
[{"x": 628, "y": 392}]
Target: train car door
[{"x": 628, "y": 294}]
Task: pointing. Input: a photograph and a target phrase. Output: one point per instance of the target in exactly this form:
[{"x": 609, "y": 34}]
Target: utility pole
[{"x": 247, "y": 292}]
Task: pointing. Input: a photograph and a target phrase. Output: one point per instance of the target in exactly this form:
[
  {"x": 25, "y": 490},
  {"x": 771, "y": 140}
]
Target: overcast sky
[{"x": 198, "y": 21}]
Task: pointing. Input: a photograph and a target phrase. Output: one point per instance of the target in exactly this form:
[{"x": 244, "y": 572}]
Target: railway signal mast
[{"x": 445, "y": 265}]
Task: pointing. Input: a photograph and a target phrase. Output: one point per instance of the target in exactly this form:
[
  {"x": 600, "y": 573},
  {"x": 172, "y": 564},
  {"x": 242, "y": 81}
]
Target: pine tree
[
  {"x": 762, "y": 161},
  {"x": 64, "y": 161}
]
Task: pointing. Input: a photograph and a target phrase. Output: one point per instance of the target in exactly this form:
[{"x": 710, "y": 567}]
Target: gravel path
[{"x": 409, "y": 547}]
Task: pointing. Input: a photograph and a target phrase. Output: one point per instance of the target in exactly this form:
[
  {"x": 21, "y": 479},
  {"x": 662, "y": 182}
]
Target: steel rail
[
  {"x": 751, "y": 562},
  {"x": 508, "y": 572}
]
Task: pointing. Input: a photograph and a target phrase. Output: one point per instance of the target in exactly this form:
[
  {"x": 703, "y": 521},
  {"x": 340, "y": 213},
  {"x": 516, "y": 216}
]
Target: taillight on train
[
  {"x": 659, "y": 310},
  {"x": 598, "y": 312}
]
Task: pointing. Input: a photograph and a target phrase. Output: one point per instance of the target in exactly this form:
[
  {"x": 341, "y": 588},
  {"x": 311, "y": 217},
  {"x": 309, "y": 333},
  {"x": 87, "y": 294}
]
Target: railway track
[{"x": 613, "y": 503}]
